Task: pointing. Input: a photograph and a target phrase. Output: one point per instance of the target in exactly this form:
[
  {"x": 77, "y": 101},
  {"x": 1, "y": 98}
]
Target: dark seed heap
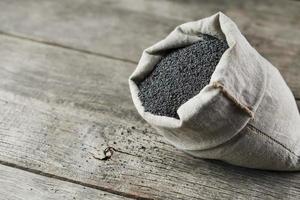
[{"x": 180, "y": 75}]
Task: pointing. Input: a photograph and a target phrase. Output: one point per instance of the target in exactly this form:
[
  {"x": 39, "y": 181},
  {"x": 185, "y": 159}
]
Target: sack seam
[
  {"x": 256, "y": 130},
  {"x": 242, "y": 106}
]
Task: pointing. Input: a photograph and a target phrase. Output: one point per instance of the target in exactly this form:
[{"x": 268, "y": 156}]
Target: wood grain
[
  {"x": 122, "y": 29},
  {"x": 60, "y": 109},
  {"x": 21, "y": 185}
]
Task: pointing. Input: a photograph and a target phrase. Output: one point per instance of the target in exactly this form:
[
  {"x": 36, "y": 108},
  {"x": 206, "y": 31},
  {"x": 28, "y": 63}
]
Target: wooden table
[{"x": 64, "y": 98}]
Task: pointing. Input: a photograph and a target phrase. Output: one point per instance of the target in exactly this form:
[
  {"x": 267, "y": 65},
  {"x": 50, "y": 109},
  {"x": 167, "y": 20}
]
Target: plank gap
[
  {"x": 54, "y": 44},
  {"x": 61, "y": 178}
]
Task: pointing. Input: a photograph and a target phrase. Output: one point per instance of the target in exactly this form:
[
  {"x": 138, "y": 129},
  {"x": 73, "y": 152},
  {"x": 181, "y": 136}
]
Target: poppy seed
[{"x": 180, "y": 75}]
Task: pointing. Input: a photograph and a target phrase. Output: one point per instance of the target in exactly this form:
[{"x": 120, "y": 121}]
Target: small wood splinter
[{"x": 108, "y": 152}]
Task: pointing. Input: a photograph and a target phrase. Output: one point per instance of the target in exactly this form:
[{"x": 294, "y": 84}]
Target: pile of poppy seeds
[{"x": 180, "y": 75}]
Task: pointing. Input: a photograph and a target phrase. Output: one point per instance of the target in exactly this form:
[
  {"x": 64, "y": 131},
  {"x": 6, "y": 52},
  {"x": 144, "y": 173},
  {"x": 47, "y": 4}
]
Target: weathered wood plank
[
  {"x": 60, "y": 109},
  {"x": 21, "y": 185},
  {"x": 87, "y": 25},
  {"x": 121, "y": 29},
  {"x": 102, "y": 26}
]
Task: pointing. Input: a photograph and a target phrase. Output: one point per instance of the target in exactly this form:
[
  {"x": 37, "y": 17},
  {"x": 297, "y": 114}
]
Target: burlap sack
[{"x": 246, "y": 116}]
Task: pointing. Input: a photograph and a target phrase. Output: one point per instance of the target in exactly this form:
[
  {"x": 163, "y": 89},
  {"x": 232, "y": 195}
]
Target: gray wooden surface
[
  {"x": 18, "y": 184},
  {"x": 64, "y": 98}
]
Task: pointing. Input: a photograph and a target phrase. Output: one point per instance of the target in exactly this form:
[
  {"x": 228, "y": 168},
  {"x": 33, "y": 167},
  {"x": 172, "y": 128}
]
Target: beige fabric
[{"x": 246, "y": 116}]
